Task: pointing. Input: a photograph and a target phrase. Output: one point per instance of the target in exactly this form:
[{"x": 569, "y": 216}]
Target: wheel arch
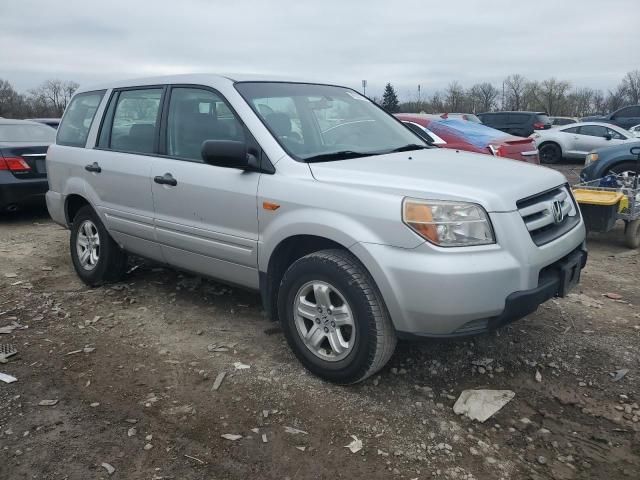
[
  {"x": 72, "y": 204},
  {"x": 284, "y": 254}
]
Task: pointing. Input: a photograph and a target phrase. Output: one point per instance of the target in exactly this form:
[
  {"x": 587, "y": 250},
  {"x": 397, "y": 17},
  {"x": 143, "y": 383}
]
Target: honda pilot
[{"x": 352, "y": 229}]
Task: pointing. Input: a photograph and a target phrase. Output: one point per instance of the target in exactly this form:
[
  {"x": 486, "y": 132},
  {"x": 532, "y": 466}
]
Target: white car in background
[{"x": 577, "y": 140}]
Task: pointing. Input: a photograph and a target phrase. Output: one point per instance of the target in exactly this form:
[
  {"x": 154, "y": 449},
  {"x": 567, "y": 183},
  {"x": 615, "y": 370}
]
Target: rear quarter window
[{"x": 78, "y": 117}]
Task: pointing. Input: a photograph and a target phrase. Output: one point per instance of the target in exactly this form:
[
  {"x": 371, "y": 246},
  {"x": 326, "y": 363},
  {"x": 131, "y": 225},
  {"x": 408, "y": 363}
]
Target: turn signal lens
[{"x": 448, "y": 224}]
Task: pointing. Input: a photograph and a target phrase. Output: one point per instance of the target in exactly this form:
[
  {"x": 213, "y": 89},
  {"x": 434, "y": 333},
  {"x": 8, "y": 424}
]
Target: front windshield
[
  {"x": 26, "y": 132},
  {"x": 316, "y": 122}
]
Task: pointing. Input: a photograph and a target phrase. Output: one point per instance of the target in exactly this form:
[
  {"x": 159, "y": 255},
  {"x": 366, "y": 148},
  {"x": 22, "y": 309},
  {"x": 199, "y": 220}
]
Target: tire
[
  {"x": 624, "y": 167},
  {"x": 632, "y": 234},
  {"x": 347, "y": 288},
  {"x": 550, "y": 153},
  {"x": 106, "y": 261}
]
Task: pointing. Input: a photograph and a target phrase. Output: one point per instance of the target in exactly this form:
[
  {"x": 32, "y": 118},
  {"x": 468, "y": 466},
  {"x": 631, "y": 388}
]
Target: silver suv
[{"x": 354, "y": 231}]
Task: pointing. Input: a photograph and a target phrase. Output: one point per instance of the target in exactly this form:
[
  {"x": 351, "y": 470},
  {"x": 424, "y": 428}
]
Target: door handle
[
  {"x": 93, "y": 167},
  {"x": 166, "y": 179}
]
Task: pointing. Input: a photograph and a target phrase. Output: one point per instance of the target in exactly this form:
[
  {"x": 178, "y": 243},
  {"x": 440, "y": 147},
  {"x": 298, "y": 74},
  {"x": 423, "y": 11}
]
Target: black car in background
[
  {"x": 625, "y": 117},
  {"x": 52, "y": 122},
  {"x": 521, "y": 124},
  {"x": 23, "y": 173}
]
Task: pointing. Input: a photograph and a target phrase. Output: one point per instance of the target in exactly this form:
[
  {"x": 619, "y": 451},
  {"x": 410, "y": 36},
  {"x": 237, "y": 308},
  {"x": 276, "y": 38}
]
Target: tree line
[
  {"x": 49, "y": 99},
  {"x": 556, "y": 97}
]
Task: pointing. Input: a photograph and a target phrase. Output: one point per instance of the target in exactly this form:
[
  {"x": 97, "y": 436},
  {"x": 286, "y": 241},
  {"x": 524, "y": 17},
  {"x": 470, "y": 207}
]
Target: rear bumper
[
  {"x": 55, "y": 205},
  {"x": 14, "y": 191}
]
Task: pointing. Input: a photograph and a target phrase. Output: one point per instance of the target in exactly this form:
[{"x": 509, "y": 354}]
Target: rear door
[
  {"x": 206, "y": 216},
  {"x": 118, "y": 171}
]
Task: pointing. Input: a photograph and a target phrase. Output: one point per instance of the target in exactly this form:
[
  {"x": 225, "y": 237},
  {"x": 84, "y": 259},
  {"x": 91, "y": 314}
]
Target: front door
[
  {"x": 591, "y": 137},
  {"x": 119, "y": 168},
  {"x": 206, "y": 216}
]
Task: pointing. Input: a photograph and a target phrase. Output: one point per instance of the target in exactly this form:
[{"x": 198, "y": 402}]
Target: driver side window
[{"x": 282, "y": 117}]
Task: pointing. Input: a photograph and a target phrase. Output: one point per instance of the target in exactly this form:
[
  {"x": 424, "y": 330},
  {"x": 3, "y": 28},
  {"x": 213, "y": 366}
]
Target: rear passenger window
[
  {"x": 77, "y": 120},
  {"x": 135, "y": 119},
  {"x": 196, "y": 115},
  {"x": 570, "y": 130}
]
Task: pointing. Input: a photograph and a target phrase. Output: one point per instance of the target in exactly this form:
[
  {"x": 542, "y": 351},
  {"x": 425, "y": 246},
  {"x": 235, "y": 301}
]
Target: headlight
[
  {"x": 591, "y": 157},
  {"x": 448, "y": 224}
]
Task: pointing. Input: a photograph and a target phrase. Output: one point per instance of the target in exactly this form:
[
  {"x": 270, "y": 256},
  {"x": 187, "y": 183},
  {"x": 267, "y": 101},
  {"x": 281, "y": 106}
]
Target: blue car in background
[{"x": 616, "y": 159}]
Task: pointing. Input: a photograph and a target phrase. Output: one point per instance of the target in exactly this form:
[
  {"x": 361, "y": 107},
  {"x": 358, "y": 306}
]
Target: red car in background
[{"x": 470, "y": 137}]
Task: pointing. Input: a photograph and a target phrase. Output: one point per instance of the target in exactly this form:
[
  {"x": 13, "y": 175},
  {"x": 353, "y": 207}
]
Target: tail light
[
  {"x": 14, "y": 164},
  {"x": 538, "y": 126},
  {"x": 496, "y": 150}
]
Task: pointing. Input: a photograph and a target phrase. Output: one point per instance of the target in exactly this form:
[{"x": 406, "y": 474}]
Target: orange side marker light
[{"x": 270, "y": 206}]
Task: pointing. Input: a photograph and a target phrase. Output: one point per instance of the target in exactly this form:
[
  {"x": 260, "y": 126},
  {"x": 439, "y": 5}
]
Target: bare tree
[
  {"x": 551, "y": 95},
  {"x": 616, "y": 98},
  {"x": 483, "y": 96},
  {"x": 10, "y": 100},
  {"x": 631, "y": 86},
  {"x": 515, "y": 88},
  {"x": 598, "y": 104},
  {"x": 54, "y": 95},
  {"x": 454, "y": 97},
  {"x": 579, "y": 102}
]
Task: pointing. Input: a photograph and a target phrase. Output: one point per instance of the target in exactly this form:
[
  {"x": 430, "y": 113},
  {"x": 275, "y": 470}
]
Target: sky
[{"x": 406, "y": 42}]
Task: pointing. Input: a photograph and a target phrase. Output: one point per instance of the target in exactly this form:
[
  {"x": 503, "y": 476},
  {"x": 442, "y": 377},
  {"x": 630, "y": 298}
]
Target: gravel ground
[{"x": 131, "y": 369}]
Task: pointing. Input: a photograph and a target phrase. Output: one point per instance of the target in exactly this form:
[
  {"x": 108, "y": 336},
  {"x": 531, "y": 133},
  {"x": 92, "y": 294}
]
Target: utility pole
[
  {"x": 364, "y": 88},
  {"x": 418, "y": 93}
]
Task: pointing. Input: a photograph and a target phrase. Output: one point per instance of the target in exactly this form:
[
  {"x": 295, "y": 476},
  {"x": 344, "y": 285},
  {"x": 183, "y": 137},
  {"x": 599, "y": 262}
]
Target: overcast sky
[{"x": 588, "y": 42}]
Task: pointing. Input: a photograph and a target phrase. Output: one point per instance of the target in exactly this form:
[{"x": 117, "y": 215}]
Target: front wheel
[
  {"x": 550, "y": 153},
  {"x": 334, "y": 318},
  {"x": 96, "y": 257},
  {"x": 632, "y": 234}
]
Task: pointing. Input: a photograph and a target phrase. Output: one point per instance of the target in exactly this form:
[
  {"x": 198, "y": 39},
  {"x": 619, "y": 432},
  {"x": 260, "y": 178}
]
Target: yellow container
[
  {"x": 624, "y": 204},
  {"x": 597, "y": 197}
]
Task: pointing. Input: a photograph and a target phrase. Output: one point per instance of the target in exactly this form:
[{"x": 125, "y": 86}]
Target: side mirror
[
  {"x": 228, "y": 154},
  {"x": 608, "y": 136}
]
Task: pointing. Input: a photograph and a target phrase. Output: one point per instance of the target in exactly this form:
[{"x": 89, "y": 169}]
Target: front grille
[{"x": 539, "y": 214}]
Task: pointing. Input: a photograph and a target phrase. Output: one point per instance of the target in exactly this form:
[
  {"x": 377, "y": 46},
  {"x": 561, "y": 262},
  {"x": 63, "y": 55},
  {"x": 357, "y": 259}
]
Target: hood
[
  {"x": 440, "y": 174},
  {"x": 621, "y": 149}
]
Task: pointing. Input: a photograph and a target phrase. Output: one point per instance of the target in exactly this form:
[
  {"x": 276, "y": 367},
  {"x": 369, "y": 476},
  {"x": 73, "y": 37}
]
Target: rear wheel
[
  {"x": 550, "y": 153},
  {"x": 632, "y": 234},
  {"x": 96, "y": 257},
  {"x": 334, "y": 318}
]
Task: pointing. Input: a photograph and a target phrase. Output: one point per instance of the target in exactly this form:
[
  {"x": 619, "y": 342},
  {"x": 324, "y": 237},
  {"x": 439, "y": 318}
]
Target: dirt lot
[{"x": 132, "y": 367}]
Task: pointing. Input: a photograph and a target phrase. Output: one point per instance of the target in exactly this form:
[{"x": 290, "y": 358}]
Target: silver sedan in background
[{"x": 577, "y": 140}]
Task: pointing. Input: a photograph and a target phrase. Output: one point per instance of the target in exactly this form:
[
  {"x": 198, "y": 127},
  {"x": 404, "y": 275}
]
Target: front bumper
[
  {"x": 21, "y": 192},
  {"x": 433, "y": 292}
]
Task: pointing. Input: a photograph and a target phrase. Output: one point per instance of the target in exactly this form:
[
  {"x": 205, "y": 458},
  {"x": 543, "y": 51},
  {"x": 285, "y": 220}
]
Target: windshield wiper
[
  {"x": 408, "y": 148},
  {"x": 341, "y": 155}
]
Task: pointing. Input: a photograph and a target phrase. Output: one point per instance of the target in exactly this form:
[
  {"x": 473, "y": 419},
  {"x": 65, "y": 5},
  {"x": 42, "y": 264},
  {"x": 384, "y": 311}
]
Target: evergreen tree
[{"x": 390, "y": 99}]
